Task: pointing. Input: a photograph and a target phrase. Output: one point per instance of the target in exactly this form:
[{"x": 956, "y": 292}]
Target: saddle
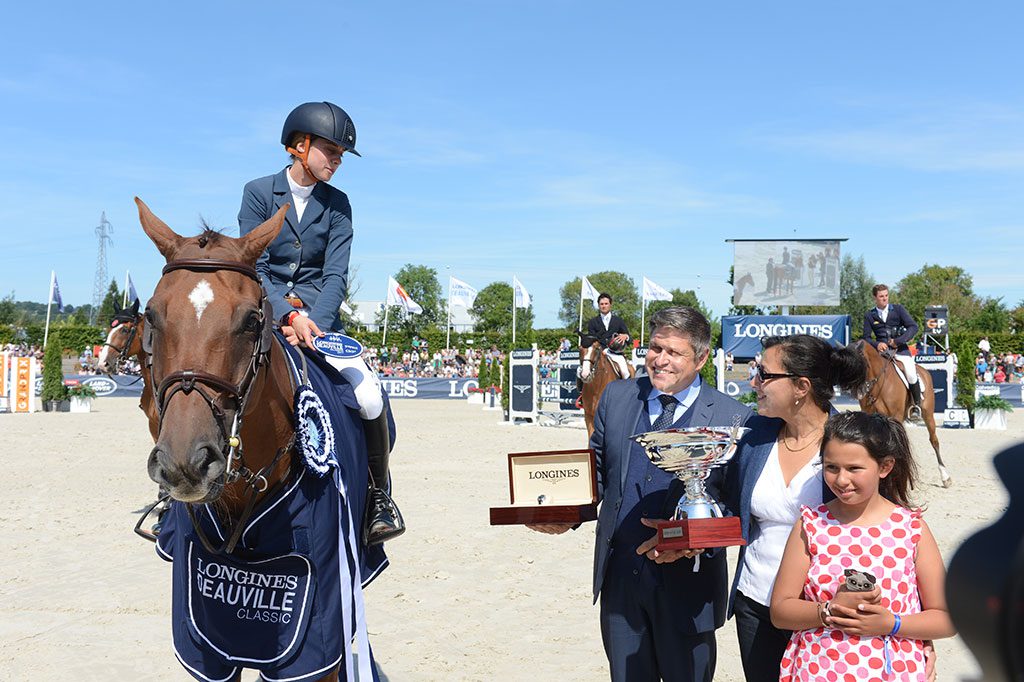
[{"x": 890, "y": 355}]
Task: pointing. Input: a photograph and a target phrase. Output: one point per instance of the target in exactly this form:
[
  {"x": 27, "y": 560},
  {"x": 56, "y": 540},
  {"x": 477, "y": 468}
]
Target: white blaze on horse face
[
  {"x": 201, "y": 297},
  {"x": 105, "y": 352}
]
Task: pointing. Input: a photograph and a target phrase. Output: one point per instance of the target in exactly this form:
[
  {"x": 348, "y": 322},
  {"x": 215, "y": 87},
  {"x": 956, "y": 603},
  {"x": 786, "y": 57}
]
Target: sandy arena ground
[{"x": 85, "y": 599}]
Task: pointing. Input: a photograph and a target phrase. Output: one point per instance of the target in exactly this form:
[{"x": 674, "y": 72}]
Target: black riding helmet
[{"x": 322, "y": 119}]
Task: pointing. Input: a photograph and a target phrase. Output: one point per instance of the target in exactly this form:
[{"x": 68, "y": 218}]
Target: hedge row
[{"x": 75, "y": 338}]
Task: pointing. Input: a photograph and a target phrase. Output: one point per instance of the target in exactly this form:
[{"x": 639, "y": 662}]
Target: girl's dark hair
[
  {"x": 882, "y": 437},
  {"x": 821, "y": 363}
]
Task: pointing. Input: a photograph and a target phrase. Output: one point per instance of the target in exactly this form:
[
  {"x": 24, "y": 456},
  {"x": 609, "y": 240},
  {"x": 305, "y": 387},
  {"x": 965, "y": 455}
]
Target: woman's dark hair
[
  {"x": 882, "y": 437},
  {"x": 821, "y": 363}
]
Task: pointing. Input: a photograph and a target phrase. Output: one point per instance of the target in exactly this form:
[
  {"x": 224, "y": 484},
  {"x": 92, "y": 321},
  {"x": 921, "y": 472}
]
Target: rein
[
  {"x": 870, "y": 384},
  {"x": 187, "y": 380}
]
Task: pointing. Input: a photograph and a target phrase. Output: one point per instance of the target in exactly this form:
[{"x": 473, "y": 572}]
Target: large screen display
[{"x": 786, "y": 272}]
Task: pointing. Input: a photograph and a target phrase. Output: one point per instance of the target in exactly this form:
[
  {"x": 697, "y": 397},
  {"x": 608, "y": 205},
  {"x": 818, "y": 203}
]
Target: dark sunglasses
[{"x": 765, "y": 376}]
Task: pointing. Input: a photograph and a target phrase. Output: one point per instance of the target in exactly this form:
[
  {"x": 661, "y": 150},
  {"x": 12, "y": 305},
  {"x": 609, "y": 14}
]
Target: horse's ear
[
  {"x": 254, "y": 242},
  {"x": 117, "y": 307},
  {"x": 135, "y": 308},
  {"x": 165, "y": 238}
]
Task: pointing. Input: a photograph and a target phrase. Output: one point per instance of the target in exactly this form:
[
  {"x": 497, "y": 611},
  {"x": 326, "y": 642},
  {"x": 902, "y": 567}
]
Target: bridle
[
  {"x": 188, "y": 380},
  {"x": 133, "y": 330},
  {"x": 870, "y": 395}
]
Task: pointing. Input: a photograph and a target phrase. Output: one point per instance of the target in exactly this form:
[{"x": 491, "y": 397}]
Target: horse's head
[
  {"x": 208, "y": 328},
  {"x": 122, "y": 340}
]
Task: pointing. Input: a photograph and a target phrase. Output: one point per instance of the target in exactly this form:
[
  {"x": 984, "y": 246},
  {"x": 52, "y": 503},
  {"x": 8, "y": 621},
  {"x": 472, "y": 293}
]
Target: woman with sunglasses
[{"x": 776, "y": 470}]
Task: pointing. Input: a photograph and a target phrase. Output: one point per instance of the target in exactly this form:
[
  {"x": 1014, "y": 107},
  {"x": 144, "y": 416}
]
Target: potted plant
[
  {"x": 54, "y": 393},
  {"x": 81, "y": 397},
  {"x": 990, "y": 413}
]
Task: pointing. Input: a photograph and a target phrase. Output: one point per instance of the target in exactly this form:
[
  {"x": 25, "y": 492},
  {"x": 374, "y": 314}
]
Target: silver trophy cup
[{"x": 690, "y": 454}]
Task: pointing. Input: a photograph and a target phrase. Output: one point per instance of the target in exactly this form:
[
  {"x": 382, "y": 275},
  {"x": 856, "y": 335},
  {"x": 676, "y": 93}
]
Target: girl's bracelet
[
  {"x": 896, "y": 624},
  {"x": 823, "y": 611}
]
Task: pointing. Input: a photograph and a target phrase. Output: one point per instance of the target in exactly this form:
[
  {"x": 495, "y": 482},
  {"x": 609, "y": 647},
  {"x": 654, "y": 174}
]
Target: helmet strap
[{"x": 303, "y": 157}]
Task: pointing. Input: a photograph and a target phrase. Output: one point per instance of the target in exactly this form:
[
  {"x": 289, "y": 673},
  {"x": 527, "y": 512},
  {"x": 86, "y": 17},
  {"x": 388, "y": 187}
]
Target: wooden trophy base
[
  {"x": 554, "y": 513},
  {"x": 700, "y": 533}
]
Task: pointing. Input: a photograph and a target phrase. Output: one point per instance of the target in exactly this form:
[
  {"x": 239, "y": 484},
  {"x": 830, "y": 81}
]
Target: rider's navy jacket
[
  {"x": 596, "y": 329},
  {"x": 876, "y": 331},
  {"x": 308, "y": 259}
]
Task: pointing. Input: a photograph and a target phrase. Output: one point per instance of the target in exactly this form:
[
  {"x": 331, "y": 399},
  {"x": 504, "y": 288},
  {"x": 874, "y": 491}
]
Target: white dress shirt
[{"x": 774, "y": 508}]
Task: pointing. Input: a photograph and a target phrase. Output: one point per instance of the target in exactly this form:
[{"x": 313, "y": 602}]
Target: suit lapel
[{"x": 282, "y": 196}]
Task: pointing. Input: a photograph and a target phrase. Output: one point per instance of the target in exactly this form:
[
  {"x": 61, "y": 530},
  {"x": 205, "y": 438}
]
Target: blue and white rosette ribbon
[{"x": 315, "y": 435}]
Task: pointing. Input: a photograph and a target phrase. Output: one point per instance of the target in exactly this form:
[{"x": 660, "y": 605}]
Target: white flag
[
  {"x": 521, "y": 296},
  {"x": 589, "y": 292},
  {"x": 397, "y": 296},
  {"x": 347, "y": 309},
  {"x": 460, "y": 293},
  {"x": 655, "y": 292}
]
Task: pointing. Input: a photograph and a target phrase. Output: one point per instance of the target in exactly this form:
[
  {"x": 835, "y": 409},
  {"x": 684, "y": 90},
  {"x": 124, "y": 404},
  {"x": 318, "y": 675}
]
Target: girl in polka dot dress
[{"x": 870, "y": 533}]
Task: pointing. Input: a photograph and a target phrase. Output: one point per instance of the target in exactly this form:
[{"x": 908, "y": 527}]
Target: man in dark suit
[
  {"x": 658, "y": 614},
  {"x": 889, "y": 328},
  {"x": 610, "y": 330}
]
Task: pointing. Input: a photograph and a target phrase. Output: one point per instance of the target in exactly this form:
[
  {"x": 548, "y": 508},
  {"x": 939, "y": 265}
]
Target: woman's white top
[{"x": 774, "y": 508}]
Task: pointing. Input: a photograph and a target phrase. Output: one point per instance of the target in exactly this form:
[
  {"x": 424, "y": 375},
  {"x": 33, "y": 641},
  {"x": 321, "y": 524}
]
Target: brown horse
[
  {"x": 885, "y": 393},
  {"x": 224, "y": 398},
  {"x": 124, "y": 340},
  {"x": 602, "y": 373}
]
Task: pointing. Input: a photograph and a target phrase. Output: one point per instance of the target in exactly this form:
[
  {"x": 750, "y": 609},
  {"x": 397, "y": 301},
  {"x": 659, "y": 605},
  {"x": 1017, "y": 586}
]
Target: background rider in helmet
[
  {"x": 892, "y": 328},
  {"x": 305, "y": 271}
]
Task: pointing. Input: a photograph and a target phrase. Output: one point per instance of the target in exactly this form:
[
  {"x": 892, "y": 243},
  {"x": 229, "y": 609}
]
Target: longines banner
[
  {"x": 430, "y": 388},
  {"x": 742, "y": 334}
]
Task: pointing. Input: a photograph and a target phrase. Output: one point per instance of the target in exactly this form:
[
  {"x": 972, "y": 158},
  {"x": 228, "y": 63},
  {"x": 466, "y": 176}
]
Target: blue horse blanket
[{"x": 288, "y": 600}]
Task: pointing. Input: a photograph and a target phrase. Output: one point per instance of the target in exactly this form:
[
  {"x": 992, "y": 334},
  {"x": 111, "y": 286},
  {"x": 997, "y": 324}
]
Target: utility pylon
[{"x": 100, "y": 284}]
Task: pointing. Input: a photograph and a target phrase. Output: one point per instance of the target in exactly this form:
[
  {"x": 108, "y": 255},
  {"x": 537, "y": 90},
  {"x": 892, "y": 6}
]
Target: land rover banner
[{"x": 742, "y": 334}]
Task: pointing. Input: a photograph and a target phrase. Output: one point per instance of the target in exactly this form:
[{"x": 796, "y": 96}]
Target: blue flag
[
  {"x": 55, "y": 296},
  {"x": 132, "y": 294}
]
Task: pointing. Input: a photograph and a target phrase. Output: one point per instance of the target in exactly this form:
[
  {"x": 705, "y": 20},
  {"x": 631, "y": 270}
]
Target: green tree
[
  {"x": 420, "y": 282},
  {"x": 53, "y": 373},
  {"x": 492, "y": 312},
  {"x": 938, "y": 285},
  {"x": 622, "y": 289},
  {"x": 679, "y": 297},
  {"x": 992, "y": 317},
  {"x": 1017, "y": 318},
  {"x": 8, "y": 311},
  {"x": 111, "y": 302}
]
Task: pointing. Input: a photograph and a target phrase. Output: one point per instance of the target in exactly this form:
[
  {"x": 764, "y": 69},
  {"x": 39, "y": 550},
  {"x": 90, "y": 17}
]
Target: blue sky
[{"x": 542, "y": 139}]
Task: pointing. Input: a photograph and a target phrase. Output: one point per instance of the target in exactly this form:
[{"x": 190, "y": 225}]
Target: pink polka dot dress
[{"x": 888, "y": 551}]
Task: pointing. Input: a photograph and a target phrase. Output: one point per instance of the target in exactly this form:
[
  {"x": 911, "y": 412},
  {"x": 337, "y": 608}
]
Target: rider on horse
[
  {"x": 305, "y": 271},
  {"x": 892, "y": 327},
  {"x": 609, "y": 329}
]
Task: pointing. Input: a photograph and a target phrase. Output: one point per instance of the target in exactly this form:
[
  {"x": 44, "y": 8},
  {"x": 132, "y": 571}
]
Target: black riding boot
[
  {"x": 915, "y": 409},
  {"x": 383, "y": 520}
]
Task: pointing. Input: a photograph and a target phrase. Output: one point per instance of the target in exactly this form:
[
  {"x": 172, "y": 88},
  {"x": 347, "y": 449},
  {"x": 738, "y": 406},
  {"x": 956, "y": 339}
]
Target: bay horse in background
[
  {"x": 602, "y": 373},
  {"x": 124, "y": 340},
  {"x": 226, "y": 452},
  {"x": 885, "y": 393}
]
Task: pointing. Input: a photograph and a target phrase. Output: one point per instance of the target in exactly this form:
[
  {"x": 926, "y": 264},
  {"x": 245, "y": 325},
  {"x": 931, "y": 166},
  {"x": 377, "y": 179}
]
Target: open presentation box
[{"x": 557, "y": 486}]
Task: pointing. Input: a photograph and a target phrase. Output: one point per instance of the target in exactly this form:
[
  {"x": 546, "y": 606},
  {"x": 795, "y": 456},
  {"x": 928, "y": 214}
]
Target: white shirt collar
[
  {"x": 686, "y": 398},
  {"x": 300, "y": 191}
]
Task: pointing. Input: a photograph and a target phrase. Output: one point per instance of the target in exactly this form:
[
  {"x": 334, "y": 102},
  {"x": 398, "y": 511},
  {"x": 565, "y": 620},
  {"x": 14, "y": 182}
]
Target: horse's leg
[{"x": 929, "y": 419}]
